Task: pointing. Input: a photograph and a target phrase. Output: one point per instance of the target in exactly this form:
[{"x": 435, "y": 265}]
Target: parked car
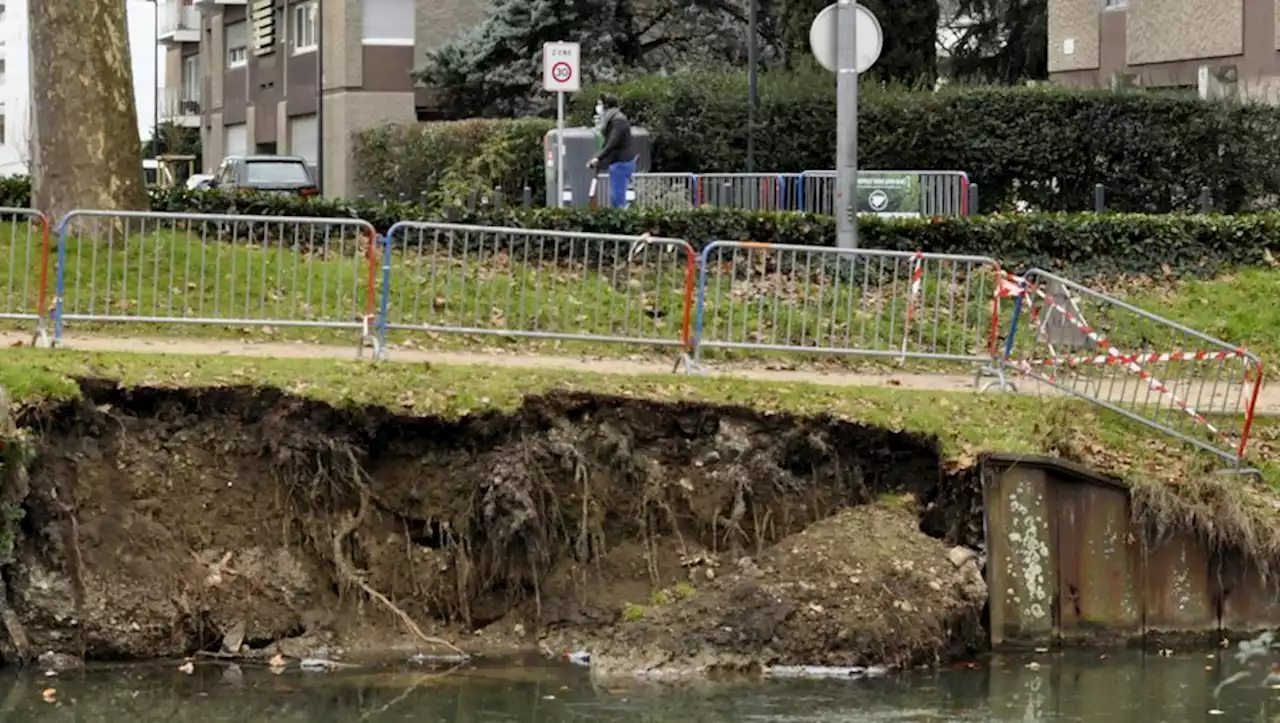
[
  {"x": 285, "y": 175},
  {"x": 199, "y": 181}
]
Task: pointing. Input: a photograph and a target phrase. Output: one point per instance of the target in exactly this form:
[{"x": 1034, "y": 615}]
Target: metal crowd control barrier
[
  {"x": 1152, "y": 370},
  {"x": 749, "y": 191},
  {"x": 25, "y": 248},
  {"x": 667, "y": 191},
  {"x": 843, "y": 301},
  {"x": 213, "y": 269},
  {"x": 515, "y": 282},
  {"x": 942, "y": 193}
]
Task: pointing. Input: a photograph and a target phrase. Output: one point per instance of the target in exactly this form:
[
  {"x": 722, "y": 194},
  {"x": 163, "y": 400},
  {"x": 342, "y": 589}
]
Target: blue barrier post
[
  {"x": 385, "y": 306},
  {"x": 61, "y": 279}
]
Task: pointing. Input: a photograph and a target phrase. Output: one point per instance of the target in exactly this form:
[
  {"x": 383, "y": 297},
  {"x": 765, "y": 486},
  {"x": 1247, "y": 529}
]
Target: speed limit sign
[
  {"x": 560, "y": 63},
  {"x": 561, "y": 72}
]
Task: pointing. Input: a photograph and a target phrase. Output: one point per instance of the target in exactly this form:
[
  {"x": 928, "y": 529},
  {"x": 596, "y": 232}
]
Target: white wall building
[
  {"x": 15, "y": 78},
  {"x": 15, "y": 88}
]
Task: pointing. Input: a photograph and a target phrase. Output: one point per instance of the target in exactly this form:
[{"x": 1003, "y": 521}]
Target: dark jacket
[{"x": 618, "y": 145}]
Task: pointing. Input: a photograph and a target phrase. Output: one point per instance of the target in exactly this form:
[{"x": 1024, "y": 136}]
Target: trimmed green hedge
[
  {"x": 1087, "y": 245},
  {"x": 445, "y": 162},
  {"x": 1046, "y": 146}
]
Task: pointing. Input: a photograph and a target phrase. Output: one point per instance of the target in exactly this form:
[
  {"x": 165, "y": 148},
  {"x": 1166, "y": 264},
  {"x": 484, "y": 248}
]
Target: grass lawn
[{"x": 517, "y": 294}]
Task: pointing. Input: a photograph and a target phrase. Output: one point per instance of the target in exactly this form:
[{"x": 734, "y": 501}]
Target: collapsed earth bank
[{"x": 148, "y": 523}]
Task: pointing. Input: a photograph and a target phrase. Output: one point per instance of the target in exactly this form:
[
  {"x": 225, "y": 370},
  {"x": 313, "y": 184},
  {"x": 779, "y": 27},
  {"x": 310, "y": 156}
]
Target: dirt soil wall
[{"x": 162, "y": 522}]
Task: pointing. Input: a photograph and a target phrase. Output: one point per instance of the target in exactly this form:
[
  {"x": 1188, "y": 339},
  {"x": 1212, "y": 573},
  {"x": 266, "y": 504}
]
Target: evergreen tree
[
  {"x": 910, "y": 36},
  {"x": 999, "y": 41},
  {"x": 495, "y": 68}
]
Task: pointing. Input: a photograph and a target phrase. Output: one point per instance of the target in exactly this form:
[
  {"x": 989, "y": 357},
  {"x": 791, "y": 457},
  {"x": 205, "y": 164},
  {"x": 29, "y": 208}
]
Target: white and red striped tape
[
  {"x": 917, "y": 283},
  {"x": 1103, "y": 359}
]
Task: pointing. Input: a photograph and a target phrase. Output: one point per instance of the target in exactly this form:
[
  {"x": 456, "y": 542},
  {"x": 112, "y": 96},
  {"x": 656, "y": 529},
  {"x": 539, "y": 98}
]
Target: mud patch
[
  {"x": 162, "y": 522},
  {"x": 864, "y": 587}
]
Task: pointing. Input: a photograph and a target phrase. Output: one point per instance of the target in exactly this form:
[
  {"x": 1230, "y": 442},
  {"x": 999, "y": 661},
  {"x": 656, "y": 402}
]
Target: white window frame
[
  {"x": 406, "y": 24},
  {"x": 237, "y": 55},
  {"x": 302, "y": 28}
]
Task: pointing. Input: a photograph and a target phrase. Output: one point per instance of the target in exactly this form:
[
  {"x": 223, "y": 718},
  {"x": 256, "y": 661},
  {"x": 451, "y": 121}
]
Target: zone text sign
[{"x": 560, "y": 67}]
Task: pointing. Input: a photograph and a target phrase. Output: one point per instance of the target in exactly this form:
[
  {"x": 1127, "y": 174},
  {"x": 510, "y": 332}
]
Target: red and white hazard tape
[
  {"x": 917, "y": 283},
  {"x": 1103, "y": 359},
  {"x": 1014, "y": 286}
]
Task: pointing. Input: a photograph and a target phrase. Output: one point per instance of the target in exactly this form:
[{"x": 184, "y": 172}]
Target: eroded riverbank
[
  {"x": 169, "y": 522},
  {"x": 669, "y": 537}
]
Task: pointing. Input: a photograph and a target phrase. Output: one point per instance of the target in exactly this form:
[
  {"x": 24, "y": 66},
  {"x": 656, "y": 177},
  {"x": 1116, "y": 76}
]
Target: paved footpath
[{"x": 1268, "y": 399}]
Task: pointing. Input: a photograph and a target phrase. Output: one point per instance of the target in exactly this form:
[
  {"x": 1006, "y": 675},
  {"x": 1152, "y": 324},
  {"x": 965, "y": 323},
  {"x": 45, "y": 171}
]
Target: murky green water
[{"x": 1075, "y": 687}]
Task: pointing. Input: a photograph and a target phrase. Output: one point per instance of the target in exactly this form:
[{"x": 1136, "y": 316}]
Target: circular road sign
[
  {"x": 878, "y": 200},
  {"x": 562, "y": 72},
  {"x": 823, "y": 43}
]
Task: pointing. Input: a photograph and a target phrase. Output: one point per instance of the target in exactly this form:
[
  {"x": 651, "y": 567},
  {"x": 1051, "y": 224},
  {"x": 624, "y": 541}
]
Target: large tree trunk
[{"x": 85, "y": 135}]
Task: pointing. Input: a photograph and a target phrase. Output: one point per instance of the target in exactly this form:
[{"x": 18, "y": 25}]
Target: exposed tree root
[
  {"x": 13, "y": 626},
  {"x": 347, "y": 570}
]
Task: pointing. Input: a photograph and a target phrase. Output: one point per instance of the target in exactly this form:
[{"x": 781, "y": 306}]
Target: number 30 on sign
[{"x": 560, "y": 67}]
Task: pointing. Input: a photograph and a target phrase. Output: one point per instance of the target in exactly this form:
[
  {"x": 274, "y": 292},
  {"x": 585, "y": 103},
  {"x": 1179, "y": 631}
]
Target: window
[
  {"x": 3, "y": 138},
  {"x": 272, "y": 173},
  {"x": 1115, "y": 4},
  {"x": 191, "y": 78},
  {"x": 302, "y": 27},
  {"x": 237, "y": 44},
  {"x": 2, "y": 69},
  {"x": 388, "y": 22}
]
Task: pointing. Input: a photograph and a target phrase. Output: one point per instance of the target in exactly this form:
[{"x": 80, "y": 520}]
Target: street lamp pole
[
  {"x": 320, "y": 96},
  {"x": 753, "y": 90},
  {"x": 155, "y": 90}
]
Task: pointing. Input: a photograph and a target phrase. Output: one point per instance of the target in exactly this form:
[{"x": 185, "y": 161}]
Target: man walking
[{"x": 619, "y": 152}]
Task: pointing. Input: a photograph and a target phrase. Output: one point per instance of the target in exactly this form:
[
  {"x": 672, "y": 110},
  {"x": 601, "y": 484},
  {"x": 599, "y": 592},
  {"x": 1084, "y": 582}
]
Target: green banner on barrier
[{"x": 896, "y": 195}]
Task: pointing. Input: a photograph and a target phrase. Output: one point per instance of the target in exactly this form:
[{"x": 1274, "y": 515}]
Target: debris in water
[
  {"x": 187, "y": 667},
  {"x": 856, "y": 672},
  {"x": 277, "y": 663},
  {"x": 1033, "y": 665},
  {"x": 50, "y": 695},
  {"x": 1215, "y": 711},
  {"x": 579, "y": 657},
  {"x": 323, "y": 664},
  {"x": 422, "y": 658}
]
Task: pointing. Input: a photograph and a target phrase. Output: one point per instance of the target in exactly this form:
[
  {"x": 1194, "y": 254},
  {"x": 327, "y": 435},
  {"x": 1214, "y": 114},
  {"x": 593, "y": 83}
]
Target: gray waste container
[{"x": 580, "y": 144}]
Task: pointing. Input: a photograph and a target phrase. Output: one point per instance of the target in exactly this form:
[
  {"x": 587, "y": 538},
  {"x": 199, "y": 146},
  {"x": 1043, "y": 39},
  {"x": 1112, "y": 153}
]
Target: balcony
[
  {"x": 179, "y": 21},
  {"x": 180, "y": 106}
]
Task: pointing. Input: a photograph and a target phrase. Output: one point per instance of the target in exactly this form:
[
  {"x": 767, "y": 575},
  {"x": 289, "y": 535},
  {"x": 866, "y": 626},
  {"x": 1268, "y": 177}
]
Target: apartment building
[
  {"x": 250, "y": 72},
  {"x": 1221, "y": 48},
  {"x": 15, "y": 89}
]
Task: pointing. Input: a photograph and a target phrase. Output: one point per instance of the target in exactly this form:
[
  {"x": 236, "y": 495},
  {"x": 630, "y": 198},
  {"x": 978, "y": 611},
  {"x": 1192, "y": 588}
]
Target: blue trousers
[{"x": 620, "y": 174}]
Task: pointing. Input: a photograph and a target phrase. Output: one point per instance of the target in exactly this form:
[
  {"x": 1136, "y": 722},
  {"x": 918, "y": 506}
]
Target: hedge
[
  {"x": 1045, "y": 146},
  {"x": 444, "y": 162},
  {"x": 1085, "y": 245}
]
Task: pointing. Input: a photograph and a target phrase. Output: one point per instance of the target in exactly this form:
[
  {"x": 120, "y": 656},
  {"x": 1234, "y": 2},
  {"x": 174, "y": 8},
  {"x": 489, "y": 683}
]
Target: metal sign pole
[
  {"x": 560, "y": 149},
  {"x": 846, "y": 125}
]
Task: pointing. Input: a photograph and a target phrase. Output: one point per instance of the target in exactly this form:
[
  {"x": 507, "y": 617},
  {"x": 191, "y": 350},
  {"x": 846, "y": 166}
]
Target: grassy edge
[{"x": 1171, "y": 486}]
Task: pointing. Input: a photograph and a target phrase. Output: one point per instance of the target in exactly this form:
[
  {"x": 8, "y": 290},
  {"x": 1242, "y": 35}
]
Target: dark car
[{"x": 285, "y": 175}]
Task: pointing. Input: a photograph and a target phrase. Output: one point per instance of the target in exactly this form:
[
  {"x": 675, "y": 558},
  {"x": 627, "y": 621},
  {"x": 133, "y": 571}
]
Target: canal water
[{"x": 1127, "y": 686}]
